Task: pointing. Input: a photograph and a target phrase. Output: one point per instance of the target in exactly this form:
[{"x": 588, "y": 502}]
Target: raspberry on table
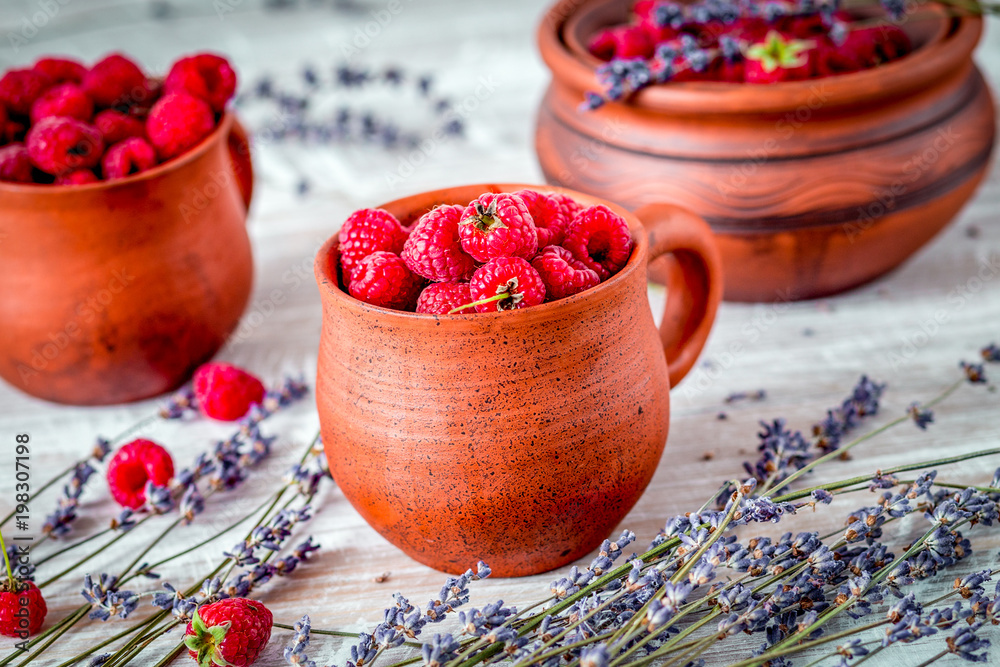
[
  {"x": 19, "y": 88},
  {"x": 512, "y": 279},
  {"x": 115, "y": 81},
  {"x": 551, "y": 214},
  {"x": 17, "y": 595},
  {"x": 78, "y": 177},
  {"x": 206, "y": 76},
  {"x": 117, "y": 126},
  {"x": 177, "y": 122},
  {"x": 434, "y": 249},
  {"x": 600, "y": 239},
  {"x": 128, "y": 157},
  {"x": 58, "y": 145},
  {"x": 383, "y": 279},
  {"x": 563, "y": 274},
  {"x": 442, "y": 298},
  {"x": 60, "y": 70},
  {"x": 232, "y": 631},
  {"x": 367, "y": 231},
  {"x": 224, "y": 391},
  {"x": 64, "y": 99},
  {"x": 15, "y": 165},
  {"x": 133, "y": 465},
  {"x": 498, "y": 225}
]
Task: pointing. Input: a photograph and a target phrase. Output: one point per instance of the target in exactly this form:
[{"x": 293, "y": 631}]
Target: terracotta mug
[
  {"x": 521, "y": 437},
  {"x": 118, "y": 290}
]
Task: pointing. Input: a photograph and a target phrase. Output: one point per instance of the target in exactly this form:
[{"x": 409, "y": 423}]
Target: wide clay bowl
[
  {"x": 520, "y": 438},
  {"x": 811, "y": 187},
  {"x": 118, "y": 290}
]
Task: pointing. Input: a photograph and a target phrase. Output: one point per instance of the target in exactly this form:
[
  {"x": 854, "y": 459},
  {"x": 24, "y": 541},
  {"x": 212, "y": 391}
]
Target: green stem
[
  {"x": 929, "y": 661},
  {"x": 174, "y": 652},
  {"x": 481, "y": 302},
  {"x": 43, "y": 488},
  {"x": 86, "y": 558},
  {"x": 54, "y": 636}
]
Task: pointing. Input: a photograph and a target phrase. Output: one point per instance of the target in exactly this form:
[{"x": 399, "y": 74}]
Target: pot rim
[
  {"x": 221, "y": 129},
  {"x": 636, "y": 262},
  {"x": 942, "y": 55}
]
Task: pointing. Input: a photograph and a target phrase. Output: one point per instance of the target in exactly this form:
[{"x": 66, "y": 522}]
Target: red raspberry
[
  {"x": 177, "y": 122},
  {"x": 600, "y": 239},
  {"x": 382, "y": 279},
  {"x": 117, "y": 126},
  {"x": 498, "y": 225},
  {"x": 65, "y": 99},
  {"x": 512, "y": 278},
  {"x": 16, "y": 596},
  {"x": 625, "y": 41},
  {"x": 133, "y": 465},
  {"x": 15, "y": 165},
  {"x": 893, "y": 42},
  {"x": 563, "y": 274},
  {"x": 115, "y": 81},
  {"x": 19, "y": 88},
  {"x": 225, "y": 392},
  {"x": 78, "y": 177},
  {"x": 61, "y": 70},
  {"x": 442, "y": 298},
  {"x": 365, "y": 232},
  {"x": 434, "y": 249},
  {"x": 206, "y": 76},
  {"x": 128, "y": 157},
  {"x": 229, "y": 632},
  {"x": 551, "y": 214},
  {"x": 59, "y": 145}
]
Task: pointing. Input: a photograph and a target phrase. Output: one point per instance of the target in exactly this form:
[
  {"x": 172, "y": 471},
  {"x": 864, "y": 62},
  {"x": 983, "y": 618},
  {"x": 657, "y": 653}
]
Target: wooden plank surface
[{"x": 805, "y": 355}]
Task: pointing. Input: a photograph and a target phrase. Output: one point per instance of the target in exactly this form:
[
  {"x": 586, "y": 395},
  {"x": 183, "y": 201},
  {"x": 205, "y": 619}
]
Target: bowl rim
[
  {"x": 636, "y": 261},
  {"x": 951, "y": 45},
  {"x": 222, "y": 128}
]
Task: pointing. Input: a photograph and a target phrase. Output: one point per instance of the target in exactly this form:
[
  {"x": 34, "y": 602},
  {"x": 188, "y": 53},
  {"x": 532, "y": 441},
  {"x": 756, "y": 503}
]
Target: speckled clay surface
[
  {"x": 117, "y": 291},
  {"x": 519, "y": 438}
]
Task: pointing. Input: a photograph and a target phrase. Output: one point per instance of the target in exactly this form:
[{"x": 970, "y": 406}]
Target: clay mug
[
  {"x": 118, "y": 290},
  {"x": 520, "y": 438}
]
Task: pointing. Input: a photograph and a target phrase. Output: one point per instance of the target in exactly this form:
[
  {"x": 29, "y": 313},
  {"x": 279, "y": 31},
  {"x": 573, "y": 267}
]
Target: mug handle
[
  {"x": 694, "y": 286},
  {"x": 239, "y": 156}
]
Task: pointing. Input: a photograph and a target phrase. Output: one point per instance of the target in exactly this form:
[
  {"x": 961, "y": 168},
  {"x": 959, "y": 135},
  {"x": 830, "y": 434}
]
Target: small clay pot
[
  {"x": 812, "y": 187},
  {"x": 522, "y": 437},
  {"x": 118, "y": 290}
]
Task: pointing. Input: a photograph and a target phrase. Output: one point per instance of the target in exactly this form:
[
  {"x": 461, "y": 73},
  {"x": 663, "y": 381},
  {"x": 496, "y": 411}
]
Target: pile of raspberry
[
  {"x": 62, "y": 123},
  {"x": 738, "y": 42},
  {"x": 504, "y": 251}
]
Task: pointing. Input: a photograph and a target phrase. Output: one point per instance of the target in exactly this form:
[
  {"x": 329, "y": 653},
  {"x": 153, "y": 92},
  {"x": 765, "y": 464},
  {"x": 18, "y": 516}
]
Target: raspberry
[
  {"x": 59, "y": 145},
  {"x": 177, "y": 122},
  {"x": 117, "y": 126},
  {"x": 442, "y": 298},
  {"x": 225, "y": 392},
  {"x": 133, "y": 465},
  {"x": 15, "y": 166},
  {"x": 382, "y": 279},
  {"x": 128, "y": 157},
  {"x": 19, "y": 88},
  {"x": 893, "y": 42},
  {"x": 230, "y": 632},
  {"x": 600, "y": 239},
  {"x": 78, "y": 177},
  {"x": 206, "y": 76},
  {"x": 551, "y": 214},
  {"x": 18, "y": 596},
  {"x": 115, "y": 81},
  {"x": 563, "y": 274},
  {"x": 61, "y": 70},
  {"x": 498, "y": 225},
  {"x": 626, "y": 41},
  {"x": 512, "y": 279},
  {"x": 365, "y": 232},
  {"x": 65, "y": 99},
  {"x": 434, "y": 250}
]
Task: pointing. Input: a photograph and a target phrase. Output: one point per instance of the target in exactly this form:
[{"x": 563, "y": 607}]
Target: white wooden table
[{"x": 806, "y": 355}]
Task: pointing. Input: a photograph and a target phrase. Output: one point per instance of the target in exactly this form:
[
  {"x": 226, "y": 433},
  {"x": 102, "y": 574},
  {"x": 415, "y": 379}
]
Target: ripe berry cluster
[
  {"x": 737, "y": 42},
  {"x": 503, "y": 251},
  {"x": 64, "y": 124}
]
